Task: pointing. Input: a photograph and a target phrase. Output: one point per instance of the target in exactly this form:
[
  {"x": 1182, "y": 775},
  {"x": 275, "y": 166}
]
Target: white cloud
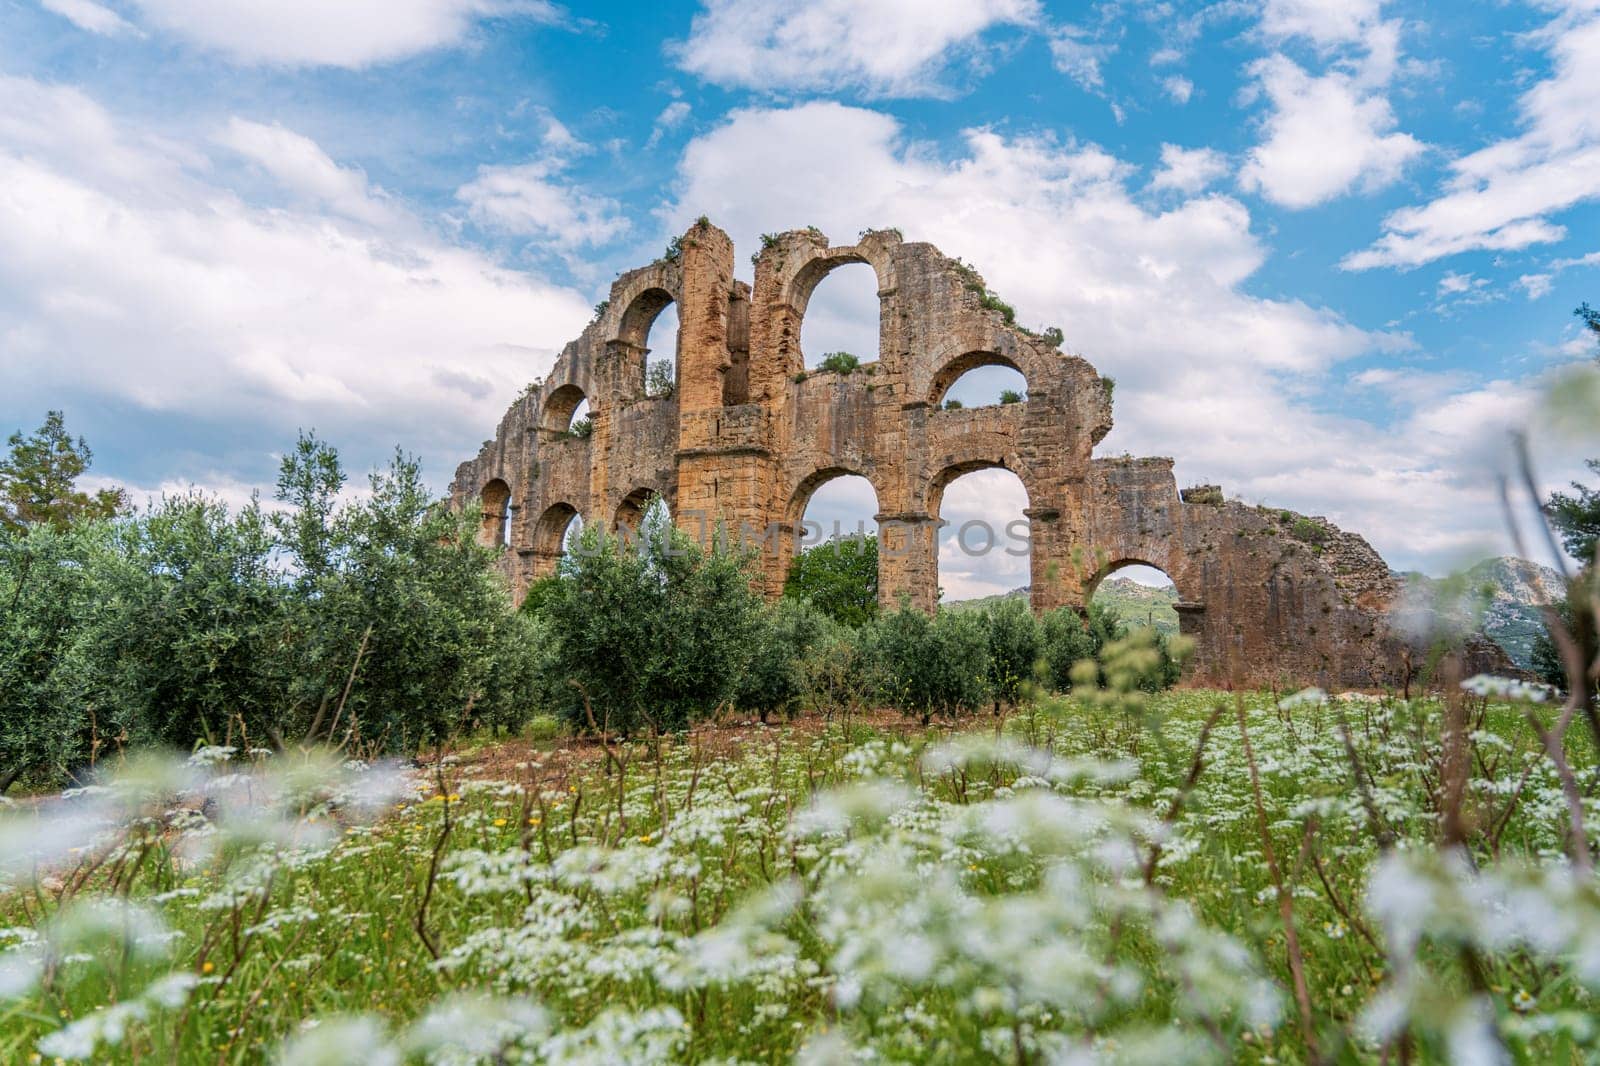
[
  {"x": 531, "y": 200},
  {"x": 1457, "y": 283},
  {"x": 1178, "y": 88},
  {"x": 1535, "y": 285},
  {"x": 349, "y": 33},
  {"x": 1324, "y": 136},
  {"x": 90, "y": 16},
  {"x": 1188, "y": 170},
  {"x": 1503, "y": 196},
  {"x": 889, "y": 47},
  {"x": 301, "y": 166},
  {"x": 1228, "y": 382},
  {"x": 131, "y": 278},
  {"x": 672, "y": 116},
  {"x": 1325, "y": 23},
  {"x": 1078, "y": 57}
]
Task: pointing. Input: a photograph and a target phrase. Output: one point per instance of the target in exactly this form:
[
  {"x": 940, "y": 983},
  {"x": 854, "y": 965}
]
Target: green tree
[
  {"x": 1010, "y": 396},
  {"x": 774, "y": 682},
  {"x": 928, "y": 665},
  {"x": 650, "y": 635},
  {"x": 662, "y": 379},
  {"x": 1067, "y": 637},
  {"x": 38, "y": 480},
  {"x": 839, "y": 577},
  {"x": 840, "y": 362},
  {"x": 1014, "y": 648},
  {"x": 46, "y": 589}
]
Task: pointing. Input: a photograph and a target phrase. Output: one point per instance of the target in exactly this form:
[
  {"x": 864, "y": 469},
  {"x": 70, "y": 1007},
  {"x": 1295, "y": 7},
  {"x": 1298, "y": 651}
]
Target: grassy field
[{"x": 1189, "y": 877}]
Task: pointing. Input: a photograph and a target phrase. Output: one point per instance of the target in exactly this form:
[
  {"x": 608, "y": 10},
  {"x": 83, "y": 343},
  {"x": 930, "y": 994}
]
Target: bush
[
  {"x": 1067, "y": 637},
  {"x": 929, "y": 665},
  {"x": 840, "y": 363},
  {"x": 654, "y": 636},
  {"x": 1014, "y": 649},
  {"x": 1010, "y": 396},
  {"x": 47, "y": 579},
  {"x": 839, "y": 578},
  {"x": 953, "y": 405},
  {"x": 1304, "y": 529},
  {"x": 381, "y": 625},
  {"x": 774, "y": 682}
]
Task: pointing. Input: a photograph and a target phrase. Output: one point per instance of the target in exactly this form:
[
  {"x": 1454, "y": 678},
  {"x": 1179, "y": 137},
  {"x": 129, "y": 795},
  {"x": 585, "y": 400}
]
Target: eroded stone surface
[{"x": 1269, "y": 597}]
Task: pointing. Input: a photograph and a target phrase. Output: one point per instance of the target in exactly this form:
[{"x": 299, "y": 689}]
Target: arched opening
[
  {"x": 561, "y": 410},
  {"x": 978, "y": 379},
  {"x": 581, "y": 424},
  {"x": 641, "y": 511},
  {"x": 985, "y": 551},
  {"x": 551, "y": 535},
  {"x": 662, "y": 342},
  {"x": 833, "y": 554},
  {"x": 1138, "y": 595},
  {"x": 986, "y": 386},
  {"x": 494, "y": 529},
  {"x": 839, "y": 327}
]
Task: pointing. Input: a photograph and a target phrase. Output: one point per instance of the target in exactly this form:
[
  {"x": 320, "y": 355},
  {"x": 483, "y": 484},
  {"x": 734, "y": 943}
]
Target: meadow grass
[{"x": 1190, "y": 877}]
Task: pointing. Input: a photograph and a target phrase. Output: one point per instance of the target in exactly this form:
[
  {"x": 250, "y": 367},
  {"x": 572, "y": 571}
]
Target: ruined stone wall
[{"x": 749, "y": 435}]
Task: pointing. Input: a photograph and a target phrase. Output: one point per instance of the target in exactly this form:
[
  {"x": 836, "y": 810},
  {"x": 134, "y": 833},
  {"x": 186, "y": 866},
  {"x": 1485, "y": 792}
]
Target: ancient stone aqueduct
[{"x": 749, "y": 435}]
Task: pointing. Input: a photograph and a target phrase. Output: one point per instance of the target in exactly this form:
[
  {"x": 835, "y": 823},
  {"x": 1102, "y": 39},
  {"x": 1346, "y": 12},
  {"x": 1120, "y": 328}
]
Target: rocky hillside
[{"x": 1501, "y": 597}]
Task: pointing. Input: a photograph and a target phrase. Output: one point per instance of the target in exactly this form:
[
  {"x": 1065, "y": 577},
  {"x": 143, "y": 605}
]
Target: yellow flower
[
  {"x": 499, "y": 823},
  {"x": 208, "y": 966}
]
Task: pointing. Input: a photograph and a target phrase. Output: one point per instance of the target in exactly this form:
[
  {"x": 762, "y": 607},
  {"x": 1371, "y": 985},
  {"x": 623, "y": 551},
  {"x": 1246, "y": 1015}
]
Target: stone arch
[
  {"x": 805, "y": 276},
  {"x": 547, "y": 533},
  {"x": 494, "y": 530},
  {"x": 631, "y": 510},
  {"x": 973, "y": 343},
  {"x": 999, "y": 536},
  {"x": 1108, "y": 566},
  {"x": 560, "y": 405},
  {"x": 953, "y": 370},
  {"x": 963, "y": 455},
  {"x": 799, "y": 497}
]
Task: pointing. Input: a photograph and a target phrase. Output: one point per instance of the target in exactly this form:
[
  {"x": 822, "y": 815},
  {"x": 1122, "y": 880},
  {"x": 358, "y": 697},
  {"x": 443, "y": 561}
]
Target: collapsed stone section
[{"x": 749, "y": 434}]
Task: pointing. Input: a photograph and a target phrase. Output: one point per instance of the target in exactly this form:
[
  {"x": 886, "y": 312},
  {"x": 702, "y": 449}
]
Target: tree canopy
[{"x": 39, "y": 476}]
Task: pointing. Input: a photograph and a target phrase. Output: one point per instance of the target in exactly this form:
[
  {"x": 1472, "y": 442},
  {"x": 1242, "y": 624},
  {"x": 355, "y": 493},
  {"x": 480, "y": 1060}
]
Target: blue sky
[{"x": 1328, "y": 250}]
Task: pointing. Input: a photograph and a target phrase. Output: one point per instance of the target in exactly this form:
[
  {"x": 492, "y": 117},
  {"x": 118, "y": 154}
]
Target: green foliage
[
  {"x": 1015, "y": 645},
  {"x": 661, "y": 380},
  {"x": 1590, "y": 318},
  {"x": 380, "y": 624},
  {"x": 653, "y": 635},
  {"x": 785, "y": 635},
  {"x": 1053, "y": 336},
  {"x": 674, "y": 250},
  {"x": 953, "y": 405},
  {"x": 1068, "y": 638},
  {"x": 581, "y": 428},
  {"x": 38, "y": 480},
  {"x": 838, "y": 578},
  {"x": 601, "y": 308},
  {"x": 769, "y": 240},
  {"x": 840, "y": 362},
  {"x": 1309, "y": 531},
  {"x": 1576, "y": 517},
  {"x": 1109, "y": 383},
  {"x": 47, "y": 587},
  {"x": 990, "y": 302},
  {"x": 1010, "y": 396},
  {"x": 928, "y": 665}
]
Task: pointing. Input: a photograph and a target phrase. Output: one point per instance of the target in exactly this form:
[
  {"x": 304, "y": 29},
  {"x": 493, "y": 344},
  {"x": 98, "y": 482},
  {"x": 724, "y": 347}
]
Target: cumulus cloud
[
  {"x": 349, "y": 33},
  {"x": 134, "y": 278},
  {"x": 90, "y": 16},
  {"x": 1326, "y": 133},
  {"x": 1505, "y": 195},
  {"x": 1178, "y": 88},
  {"x": 1231, "y": 383},
  {"x": 886, "y": 47},
  {"x": 1324, "y": 136},
  {"x": 532, "y": 200},
  {"x": 1188, "y": 170}
]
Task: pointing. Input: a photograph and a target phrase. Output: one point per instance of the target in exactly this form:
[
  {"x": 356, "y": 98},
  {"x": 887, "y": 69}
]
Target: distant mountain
[
  {"x": 1501, "y": 597},
  {"x": 1134, "y": 603}
]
